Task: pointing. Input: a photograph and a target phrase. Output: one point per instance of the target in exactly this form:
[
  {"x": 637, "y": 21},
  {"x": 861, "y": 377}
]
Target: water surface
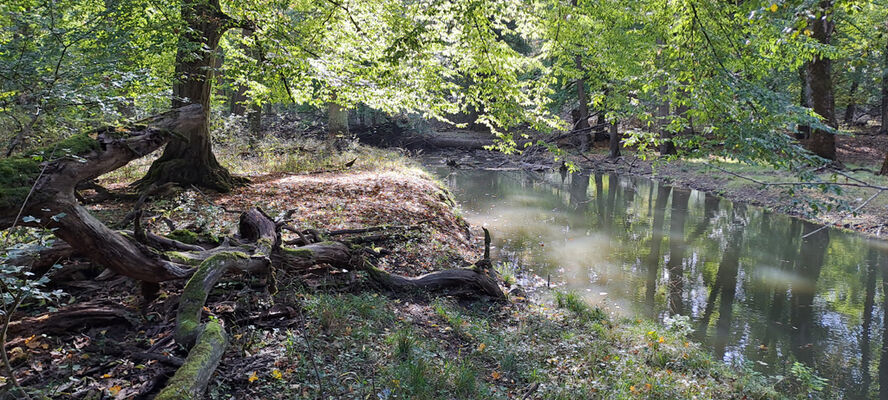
[{"x": 755, "y": 290}]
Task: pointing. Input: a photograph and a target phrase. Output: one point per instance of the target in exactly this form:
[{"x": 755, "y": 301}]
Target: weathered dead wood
[
  {"x": 72, "y": 317},
  {"x": 207, "y": 342},
  {"x": 52, "y": 198},
  {"x": 464, "y": 282}
]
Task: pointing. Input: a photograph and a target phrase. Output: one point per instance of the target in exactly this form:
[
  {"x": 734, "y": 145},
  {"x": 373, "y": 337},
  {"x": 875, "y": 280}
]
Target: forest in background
[{"x": 86, "y": 87}]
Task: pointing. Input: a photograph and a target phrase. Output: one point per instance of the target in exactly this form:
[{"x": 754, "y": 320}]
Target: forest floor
[{"x": 324, "y": 333}]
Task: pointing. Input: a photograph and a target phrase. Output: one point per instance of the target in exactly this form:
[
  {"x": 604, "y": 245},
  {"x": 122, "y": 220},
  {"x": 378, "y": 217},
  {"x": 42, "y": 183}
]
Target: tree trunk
[
  {"x": 52, "y": 200},
  {"x": 804, "y": 131},
  {"x": 852, "y": 107},
  {"x": 337, "y": 122},
  {"x": 191, "y": 161},
  {"x": 884, "y": 107},
  {"x": 614, "y": 141},
  {"x": 819, "y": 77},
  {"x": 582, "y": 122}
]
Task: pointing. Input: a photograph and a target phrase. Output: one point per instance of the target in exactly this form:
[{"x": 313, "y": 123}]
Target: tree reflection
[
  {"x": 653, "y": 258},
  {"x": 725, "y": 284},
  {"x": 811, "y": 254},
  {"x": 866, "y": 326},
  {"x": 675, "y": 265}
]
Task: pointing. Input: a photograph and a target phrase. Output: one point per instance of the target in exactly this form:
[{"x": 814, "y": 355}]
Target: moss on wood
[
  {"x": 191, "y": 378},
  {"x": 18, "y": 174}
]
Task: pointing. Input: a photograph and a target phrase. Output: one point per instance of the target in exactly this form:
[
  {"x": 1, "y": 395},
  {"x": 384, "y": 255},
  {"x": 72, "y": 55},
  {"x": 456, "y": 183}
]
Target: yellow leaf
[
  {"x": 632, "y": 389},
  {"x": 495, "y": 375},
  {"x": 106, "y": 376},
  {"x": 253, "y": 377},
  {"x": 276, "y": 374},
  {"x": 481, "y": 347},
  {"x": 114, "y": 390},
  {"x": 808, "y": 32},
  {"x": 773, "y": 7}
]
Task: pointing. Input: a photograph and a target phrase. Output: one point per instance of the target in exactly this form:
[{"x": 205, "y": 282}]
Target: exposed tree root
[{"x": 152, "y": 259}]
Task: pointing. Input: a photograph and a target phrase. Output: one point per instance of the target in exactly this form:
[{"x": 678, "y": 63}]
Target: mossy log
[{"x": 45, "y": 191}]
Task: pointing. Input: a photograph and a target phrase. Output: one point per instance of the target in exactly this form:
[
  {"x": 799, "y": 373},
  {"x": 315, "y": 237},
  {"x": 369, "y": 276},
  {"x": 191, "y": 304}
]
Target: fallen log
[{"x": 72, "y": 317}]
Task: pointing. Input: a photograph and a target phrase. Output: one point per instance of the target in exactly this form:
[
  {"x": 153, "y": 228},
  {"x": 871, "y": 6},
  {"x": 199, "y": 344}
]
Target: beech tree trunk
[
  {"x": 337, "y": 122},
  {"x": 804, "y": 131},
  {"x": 614, "y": 143},
  {"x": 884, "y": 107},
  {"x": 819, "y": 77},
  {"x": 191, "y": 161},
  {"x": 583, "y": 119}
]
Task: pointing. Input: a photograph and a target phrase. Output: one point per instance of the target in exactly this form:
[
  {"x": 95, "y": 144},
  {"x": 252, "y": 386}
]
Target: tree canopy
[{"x": 727, "y": 71}]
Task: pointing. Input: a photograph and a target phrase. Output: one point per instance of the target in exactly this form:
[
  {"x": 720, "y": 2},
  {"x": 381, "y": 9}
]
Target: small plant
[
  {"x": 506, "y": 271},
  {"x": 403, "y": 344},
  {"x": 18, "y": 285},
  {"x": 803, "y": 381},
  {"x": 573, "y": 302},
  {"x": 465, "y": 381}
]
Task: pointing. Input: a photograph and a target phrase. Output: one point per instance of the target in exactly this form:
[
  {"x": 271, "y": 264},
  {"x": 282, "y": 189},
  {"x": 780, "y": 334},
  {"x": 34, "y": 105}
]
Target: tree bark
[
  {"x": 804, "y": 131},
  {"x": 819, "y": 77},
  {"x": 191, "y": 161},
  {"x": 337, "y": 122},
  {"x": 614, "y": 143},
  {"x": 852, "y": 107},
  {"x": 583, "y": 98}
]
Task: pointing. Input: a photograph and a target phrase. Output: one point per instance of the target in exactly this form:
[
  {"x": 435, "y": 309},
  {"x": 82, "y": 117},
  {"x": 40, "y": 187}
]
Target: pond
[{"x": 759, "y": 288}]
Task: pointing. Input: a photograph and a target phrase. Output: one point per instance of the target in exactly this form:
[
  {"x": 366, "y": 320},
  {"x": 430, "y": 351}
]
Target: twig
[
  {"x": 814, "y": 183},
  {"x": 863, "y": 204}
]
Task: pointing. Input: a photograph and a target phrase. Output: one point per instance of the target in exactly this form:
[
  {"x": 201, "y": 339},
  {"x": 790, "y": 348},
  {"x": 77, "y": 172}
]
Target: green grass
[
  {"x": 359, "y": 346},
  {"x": 573, "y": 302}
]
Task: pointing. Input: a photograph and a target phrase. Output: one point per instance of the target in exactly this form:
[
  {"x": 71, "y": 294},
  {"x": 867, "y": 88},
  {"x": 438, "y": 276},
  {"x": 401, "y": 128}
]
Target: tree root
[{"x": 140, "y": 255}]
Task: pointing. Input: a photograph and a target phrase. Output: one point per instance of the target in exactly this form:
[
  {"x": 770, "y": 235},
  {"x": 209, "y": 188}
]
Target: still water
[{"x": 755, "y": 290}]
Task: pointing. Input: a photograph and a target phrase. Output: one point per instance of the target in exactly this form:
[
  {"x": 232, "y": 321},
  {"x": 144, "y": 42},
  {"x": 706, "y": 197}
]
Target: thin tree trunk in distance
[
  {"x": 851, "y": 108},
  {"x": 804, "y": 131},
  {"x": 885, "y": 87},
  {"x": 337, "y": 122},
  {"x": 614, "y": 141},
  {"x": 583, "y": 98}
]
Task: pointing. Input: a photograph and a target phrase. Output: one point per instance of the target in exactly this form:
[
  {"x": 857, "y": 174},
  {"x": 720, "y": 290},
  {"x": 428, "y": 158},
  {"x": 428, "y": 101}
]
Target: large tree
[
  {"x": 819, "y": 84},
  {"x": 190, "y": 160}
]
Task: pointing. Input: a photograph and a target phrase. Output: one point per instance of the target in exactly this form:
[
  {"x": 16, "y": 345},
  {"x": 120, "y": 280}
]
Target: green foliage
[{"x": 573, "y": 302}]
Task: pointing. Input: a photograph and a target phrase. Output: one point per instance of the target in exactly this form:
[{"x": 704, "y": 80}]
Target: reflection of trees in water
[
  {"x": 677, "y": 245},
  {"x": 710, "y": 207},
  {"x": 777, "y": 313},
  {"x": 773, "y": 307},
  {"x": 652, "y": 261},
  {"x": 579, "y": 191},
  {"x": 883, "y": 360},
  {"x": 725, "y": 284},
  {"x": 866, "y": 326},
  {"x": 810, "y": 262}
]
